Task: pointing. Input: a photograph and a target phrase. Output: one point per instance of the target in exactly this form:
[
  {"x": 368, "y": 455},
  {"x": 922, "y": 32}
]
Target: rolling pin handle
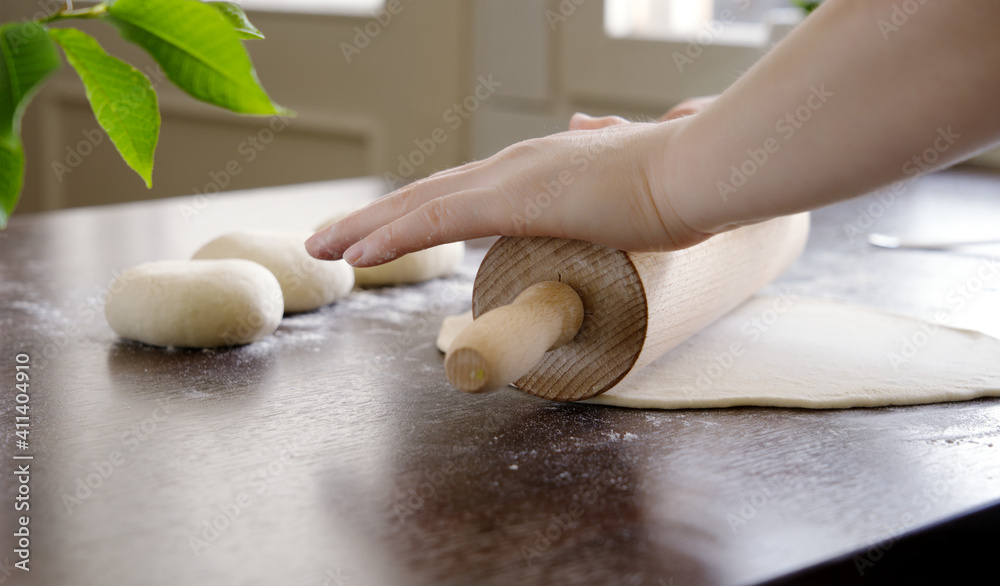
[{"x": 502, "y": 345}]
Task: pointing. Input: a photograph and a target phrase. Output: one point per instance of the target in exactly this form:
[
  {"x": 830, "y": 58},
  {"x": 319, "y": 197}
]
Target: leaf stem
[{"x": 96, "y": 11}]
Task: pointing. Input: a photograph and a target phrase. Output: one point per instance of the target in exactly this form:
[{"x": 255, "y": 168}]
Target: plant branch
[{"x": 96, "y": 11}]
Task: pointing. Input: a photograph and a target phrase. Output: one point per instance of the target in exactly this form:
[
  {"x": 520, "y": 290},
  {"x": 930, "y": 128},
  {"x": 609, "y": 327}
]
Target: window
[
  {"x": 738, "y": 22},
  {"x": 348, "y": 7}
]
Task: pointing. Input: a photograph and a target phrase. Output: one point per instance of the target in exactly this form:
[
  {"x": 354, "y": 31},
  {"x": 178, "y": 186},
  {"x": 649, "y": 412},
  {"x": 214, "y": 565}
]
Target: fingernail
[
  {"x": 314, "y": 243},
  {"x": 318, "y": 246},
  {"x": 354, "y": 253}
]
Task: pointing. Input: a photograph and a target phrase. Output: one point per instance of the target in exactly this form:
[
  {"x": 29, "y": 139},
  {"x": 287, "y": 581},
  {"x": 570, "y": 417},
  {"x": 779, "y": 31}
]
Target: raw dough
[
  {"x": 306, "y": 283},
  {"x": 788, "y": 352},
  {"x": 195, "y": 303},
  {"x": 450, "y": 327},
  {"x": 415, "y": 267},
  {"x": 795, "y": 352}
]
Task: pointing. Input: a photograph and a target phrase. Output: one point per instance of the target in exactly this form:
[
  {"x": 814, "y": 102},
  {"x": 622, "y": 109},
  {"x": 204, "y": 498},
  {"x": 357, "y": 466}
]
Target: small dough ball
[
  {"x": 450, "y": 328},
  {"x": 195, "y": 303},
  {"x": 307, "y": 283},
  {"x": 415, "y": 267}
]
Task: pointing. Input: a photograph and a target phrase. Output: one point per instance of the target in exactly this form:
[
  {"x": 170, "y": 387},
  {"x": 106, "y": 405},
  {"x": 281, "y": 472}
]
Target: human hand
[
  {"x": 581, "y": 121},
  {"x": 604, "y": 185},
  {"x": 689, "y": 107}
]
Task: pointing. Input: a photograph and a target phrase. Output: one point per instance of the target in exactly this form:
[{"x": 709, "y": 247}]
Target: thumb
[{"x": 581, "y": 121}]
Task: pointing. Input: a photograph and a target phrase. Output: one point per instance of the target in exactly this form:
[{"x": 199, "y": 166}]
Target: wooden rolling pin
[{"x": 567, "y": 320}]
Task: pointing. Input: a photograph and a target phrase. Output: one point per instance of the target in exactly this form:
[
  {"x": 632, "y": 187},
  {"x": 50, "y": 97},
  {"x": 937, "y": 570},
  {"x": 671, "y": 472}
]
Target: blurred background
[{"x": 398, "y": 88}]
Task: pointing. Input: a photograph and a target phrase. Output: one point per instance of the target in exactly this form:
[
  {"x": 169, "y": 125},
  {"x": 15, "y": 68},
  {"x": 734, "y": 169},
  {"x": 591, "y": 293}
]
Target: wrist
[{"x": 671, "y": 167}]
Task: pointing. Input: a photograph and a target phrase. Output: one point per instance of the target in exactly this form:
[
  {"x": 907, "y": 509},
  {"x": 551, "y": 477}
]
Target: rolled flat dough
[
  {"x": 796, "y": 352},
  {"x": 306, "y": 283},
  {"x": 415, "y": 267},
  {"x": 195, "y": 303}
]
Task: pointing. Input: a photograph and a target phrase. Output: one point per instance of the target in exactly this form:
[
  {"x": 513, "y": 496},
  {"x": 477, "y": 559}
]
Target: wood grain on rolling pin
[
  {"x": 637, "y": 305},
  {"x": 494, "y": 351}
]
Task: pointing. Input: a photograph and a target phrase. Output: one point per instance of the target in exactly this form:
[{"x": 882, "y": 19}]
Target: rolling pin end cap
[{"x": 468, "y": 371}]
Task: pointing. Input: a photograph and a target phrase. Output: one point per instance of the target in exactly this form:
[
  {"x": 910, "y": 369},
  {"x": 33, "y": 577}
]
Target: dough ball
[
  {"x": 306, "y": 283},
  {"x": 416, "y": 267},
  {"x": 195, "y": 304},
  {"x": 450, "y": 327}
]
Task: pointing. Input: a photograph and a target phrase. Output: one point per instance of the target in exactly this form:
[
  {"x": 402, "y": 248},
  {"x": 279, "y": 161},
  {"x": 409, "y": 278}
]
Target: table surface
[{"x": 335, "y": 452}]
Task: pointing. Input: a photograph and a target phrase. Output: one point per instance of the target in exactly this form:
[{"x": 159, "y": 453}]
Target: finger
[
  {"x": 331, "y": 242},
  {"x": 452, "y": 170},
  {"x": 581, "y": 121},
  {"x": 688, "y": 107},
  {"x": 678, "y": 112},
  {"x": 460, "y": 216}
]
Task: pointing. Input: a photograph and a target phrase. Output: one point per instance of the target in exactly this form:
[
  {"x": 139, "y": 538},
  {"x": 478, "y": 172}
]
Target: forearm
[
  {"x": 852, "y": 100},
  {"x": 840, "y": 108}
]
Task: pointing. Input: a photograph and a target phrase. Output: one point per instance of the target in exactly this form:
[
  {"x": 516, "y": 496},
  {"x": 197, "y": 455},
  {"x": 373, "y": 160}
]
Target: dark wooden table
[{"x": 336, "y": 453}]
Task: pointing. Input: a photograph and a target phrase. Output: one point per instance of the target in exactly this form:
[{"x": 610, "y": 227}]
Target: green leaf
[
  {"x": 27, "y": 58},
  {"x": 198, "y": 49},
  {"x": 11, "y": 178},
  {"x": 123, "y": 99},
  {"x": 238, "y": 19},
  {"x": 806, "y": 5}
]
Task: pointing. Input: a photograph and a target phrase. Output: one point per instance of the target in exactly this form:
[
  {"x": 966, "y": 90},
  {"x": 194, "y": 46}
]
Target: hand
[
  {"x": 690, "y": 106},
  {"x": 603, "y": 185}
]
